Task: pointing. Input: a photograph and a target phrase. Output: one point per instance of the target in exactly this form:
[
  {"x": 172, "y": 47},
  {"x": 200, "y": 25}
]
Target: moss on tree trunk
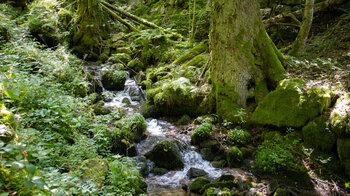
[
  {"x": 300, "y": 41},
  {"x": 244, "y": 59},
  {"x": 89, "y": 29}
]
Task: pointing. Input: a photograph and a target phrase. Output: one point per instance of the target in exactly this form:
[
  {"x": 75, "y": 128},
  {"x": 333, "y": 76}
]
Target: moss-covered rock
[
  {"x": 184, "y": 120},
  {"x": 148, "y": 110},
  {"x": 290, "y": 105},
  {"x": 318, "y": 134},
  {"x": 113, "y": 80},
  {"x": 194, "y": 172},
  {"x": 340, "y": 116},
  {"x": 136, "y": 65},
  {"x": 96, "y": 170},
  {"x": 179, "y": 97},
  {"x": 135, "y": 125},
  {"x": 238, "y": 137},
  {"x": 7, "y": 117},
  {"x": 165, "y": 154},
  {"x": 234, "y": 157},
  {"x": 343, "y": 147},
  {"x": 219, "y": 164},
  {"x": 120, "y": 58},
  {"x": 159, "y": 171},
  {"x": 201, "y": 133},
  {"x": 99, "y": 108},
  {"x": 198, "y": 184}
]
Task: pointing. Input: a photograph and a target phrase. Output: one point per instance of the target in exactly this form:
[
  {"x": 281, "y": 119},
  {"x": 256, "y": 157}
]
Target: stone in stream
[
  {"x": 165, "y": 154},
  {"x": 195, "y": 172},
  {"x": 198, "y": 184},
  {"x": 113, "y": 80}
]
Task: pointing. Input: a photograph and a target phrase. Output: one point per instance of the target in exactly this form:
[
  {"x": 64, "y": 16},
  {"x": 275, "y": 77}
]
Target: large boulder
[
  {"x": 343, "y": 147},
  {"x": 179, "y": 97},
  {"x": 195, "y": 172},
  {"x": 113, "y": 80},
  {"x": 201, "y": 133},
  {"x": 291, "y": 105},
  {"x": 234, "y": 157},
  {"x": 198, "y": 184},
  {"x": 318, "y": 134},
  {"x": 165, "y": 154},
  {"x": 340, "y": 116}
]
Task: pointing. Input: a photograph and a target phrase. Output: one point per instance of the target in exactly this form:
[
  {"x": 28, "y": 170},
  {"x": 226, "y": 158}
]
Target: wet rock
[
  {"x": 184, "y": 184},
  {"x": 207, "y": 154},
  {"x": 226, "y": 181},
  {"x": 219, "y": 164},
  {"x": 126, "y": 100},
  {"x": 131, "y": 151},
  {"x": 225, "y": 177},
  {"x": 142, "y": 163},
  {"x": 234, "y": 157},
  {"x": 165, "y": 154},
  {"x": 159, "y": 171},
  {"x": 318, "y": 134},
  {"x": 195, "y": 172},
  {"x": 198, "y": 184},
  {"x": 134, "y": 91},
  {"x": 290, "y": 105},
  {"x": 95, "y": 169},
  {"x": 136, "y": 98},
  {"x": 134, "y": 126},
  {"x": 113, "y": 80}
]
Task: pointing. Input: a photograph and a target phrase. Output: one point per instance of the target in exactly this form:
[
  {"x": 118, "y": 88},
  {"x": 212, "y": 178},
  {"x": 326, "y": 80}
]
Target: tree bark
[
  {"x": 244, "y": 59},
  {"x": 303, "y": 34},
  {"x": 89, "y": 29}
]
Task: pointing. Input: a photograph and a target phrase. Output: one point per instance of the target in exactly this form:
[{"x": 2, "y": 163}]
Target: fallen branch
[
  {"x": 133, "y": 17},
  {"x": 120, "y": 19},
  {"x": 204, "y": 70}
]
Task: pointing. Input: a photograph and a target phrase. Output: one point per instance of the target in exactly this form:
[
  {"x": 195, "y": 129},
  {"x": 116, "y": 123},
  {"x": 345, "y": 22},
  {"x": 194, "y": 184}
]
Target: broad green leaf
[
  {"x": 31, "y": 169},
  {"x": 12, "y": 94}
]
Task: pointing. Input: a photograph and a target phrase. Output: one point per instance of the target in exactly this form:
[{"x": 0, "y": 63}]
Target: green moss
[
  {"x": 136, "y": 65},
  {"x": 238, "y": 137},
  {"x": 159, "y": 171},
  {"x": 120, "y": 58},
  {"x": 7, "y": 117},
  {"x": 148, "y": 110},
  {"x": 125, "y": 50},
  {"x": 197, "y": 61},
  {"x": 201, "y": 133},
  {"x": 219, "y": 164},
  {"x": 340, "y": 118},
  {"x": 198, "y": 184},
  {"x": 290, "y": 105},
  {"x": 184, "y": 120},
  {"x": 135, "y": 125},
  {"x": 200, "y": 48},
  {"x": 113, "y": 80},
  {"x": 234, "y": 157},
  {"x": 317, "y": 133},
  {"x": 165, "y": 154},
  {"x": 96, "y": 170},
  {"x": 99, "y": 108},
  {"x": 343, "y": 146}
]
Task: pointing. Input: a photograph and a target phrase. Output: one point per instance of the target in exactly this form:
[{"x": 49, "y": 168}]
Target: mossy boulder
[
  {"x": 340, "y": 116},
  {"x": 291, "y": 105},
  {"x": 113, "y": 80},
  {"x": 179, "y": 97},
  {"x": 234, "y": 157},
  {"x": 219, "y": 164},
  {"x": 159, "y": 171},
  {"x": 318, "y": 134},
  {"x": 99, "y": 108},
  {"x": 343, "y": 148},
  {"x": 96, "y": 170},
  {"x": 184, "y": 120},
  {"x": 120, "y": 58},
  {"x": 238, "y": 137},
  {"x": 7, "y": 117},
  {"x": 135, "y": 125},
  {"x": 201, "y": 133},
  {"x": 136, "y": 65},
  {"x": 198, "y": 184},
  {"x": 148, "y": 110},
  {"x": 195, "y": 172},
  {"x": 165, "y": 154}
]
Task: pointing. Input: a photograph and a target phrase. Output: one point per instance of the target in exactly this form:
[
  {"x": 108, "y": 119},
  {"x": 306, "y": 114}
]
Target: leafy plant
[{"x": 238, "y": 137}]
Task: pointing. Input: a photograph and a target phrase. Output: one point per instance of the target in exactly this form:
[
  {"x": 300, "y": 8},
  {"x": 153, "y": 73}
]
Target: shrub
[
  {"x": 234, "y": 157},
  {"x": 201, "y": 133}
]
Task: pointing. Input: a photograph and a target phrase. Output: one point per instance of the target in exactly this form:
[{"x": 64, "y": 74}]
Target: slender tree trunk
[
  {"x": 300, "y": 41},
  {"x": 244, "y": 59}
]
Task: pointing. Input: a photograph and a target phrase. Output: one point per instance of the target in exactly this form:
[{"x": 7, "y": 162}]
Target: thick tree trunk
[
  {"x": 244, "y": 59},
  {"x": 301, "y": 38},
  {"x": 89, "y": 29}
]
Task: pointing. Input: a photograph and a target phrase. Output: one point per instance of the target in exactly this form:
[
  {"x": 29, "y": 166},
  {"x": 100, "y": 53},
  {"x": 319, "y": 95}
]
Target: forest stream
[{"x": 175, "y": 182}]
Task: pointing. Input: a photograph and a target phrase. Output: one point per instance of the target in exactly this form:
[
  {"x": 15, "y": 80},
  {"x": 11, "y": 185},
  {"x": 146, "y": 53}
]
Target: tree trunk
[
  {"x": 89, "y": 29},
  {"x": 301, "y": 38},
  {"x": 245, "y": 62}
]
